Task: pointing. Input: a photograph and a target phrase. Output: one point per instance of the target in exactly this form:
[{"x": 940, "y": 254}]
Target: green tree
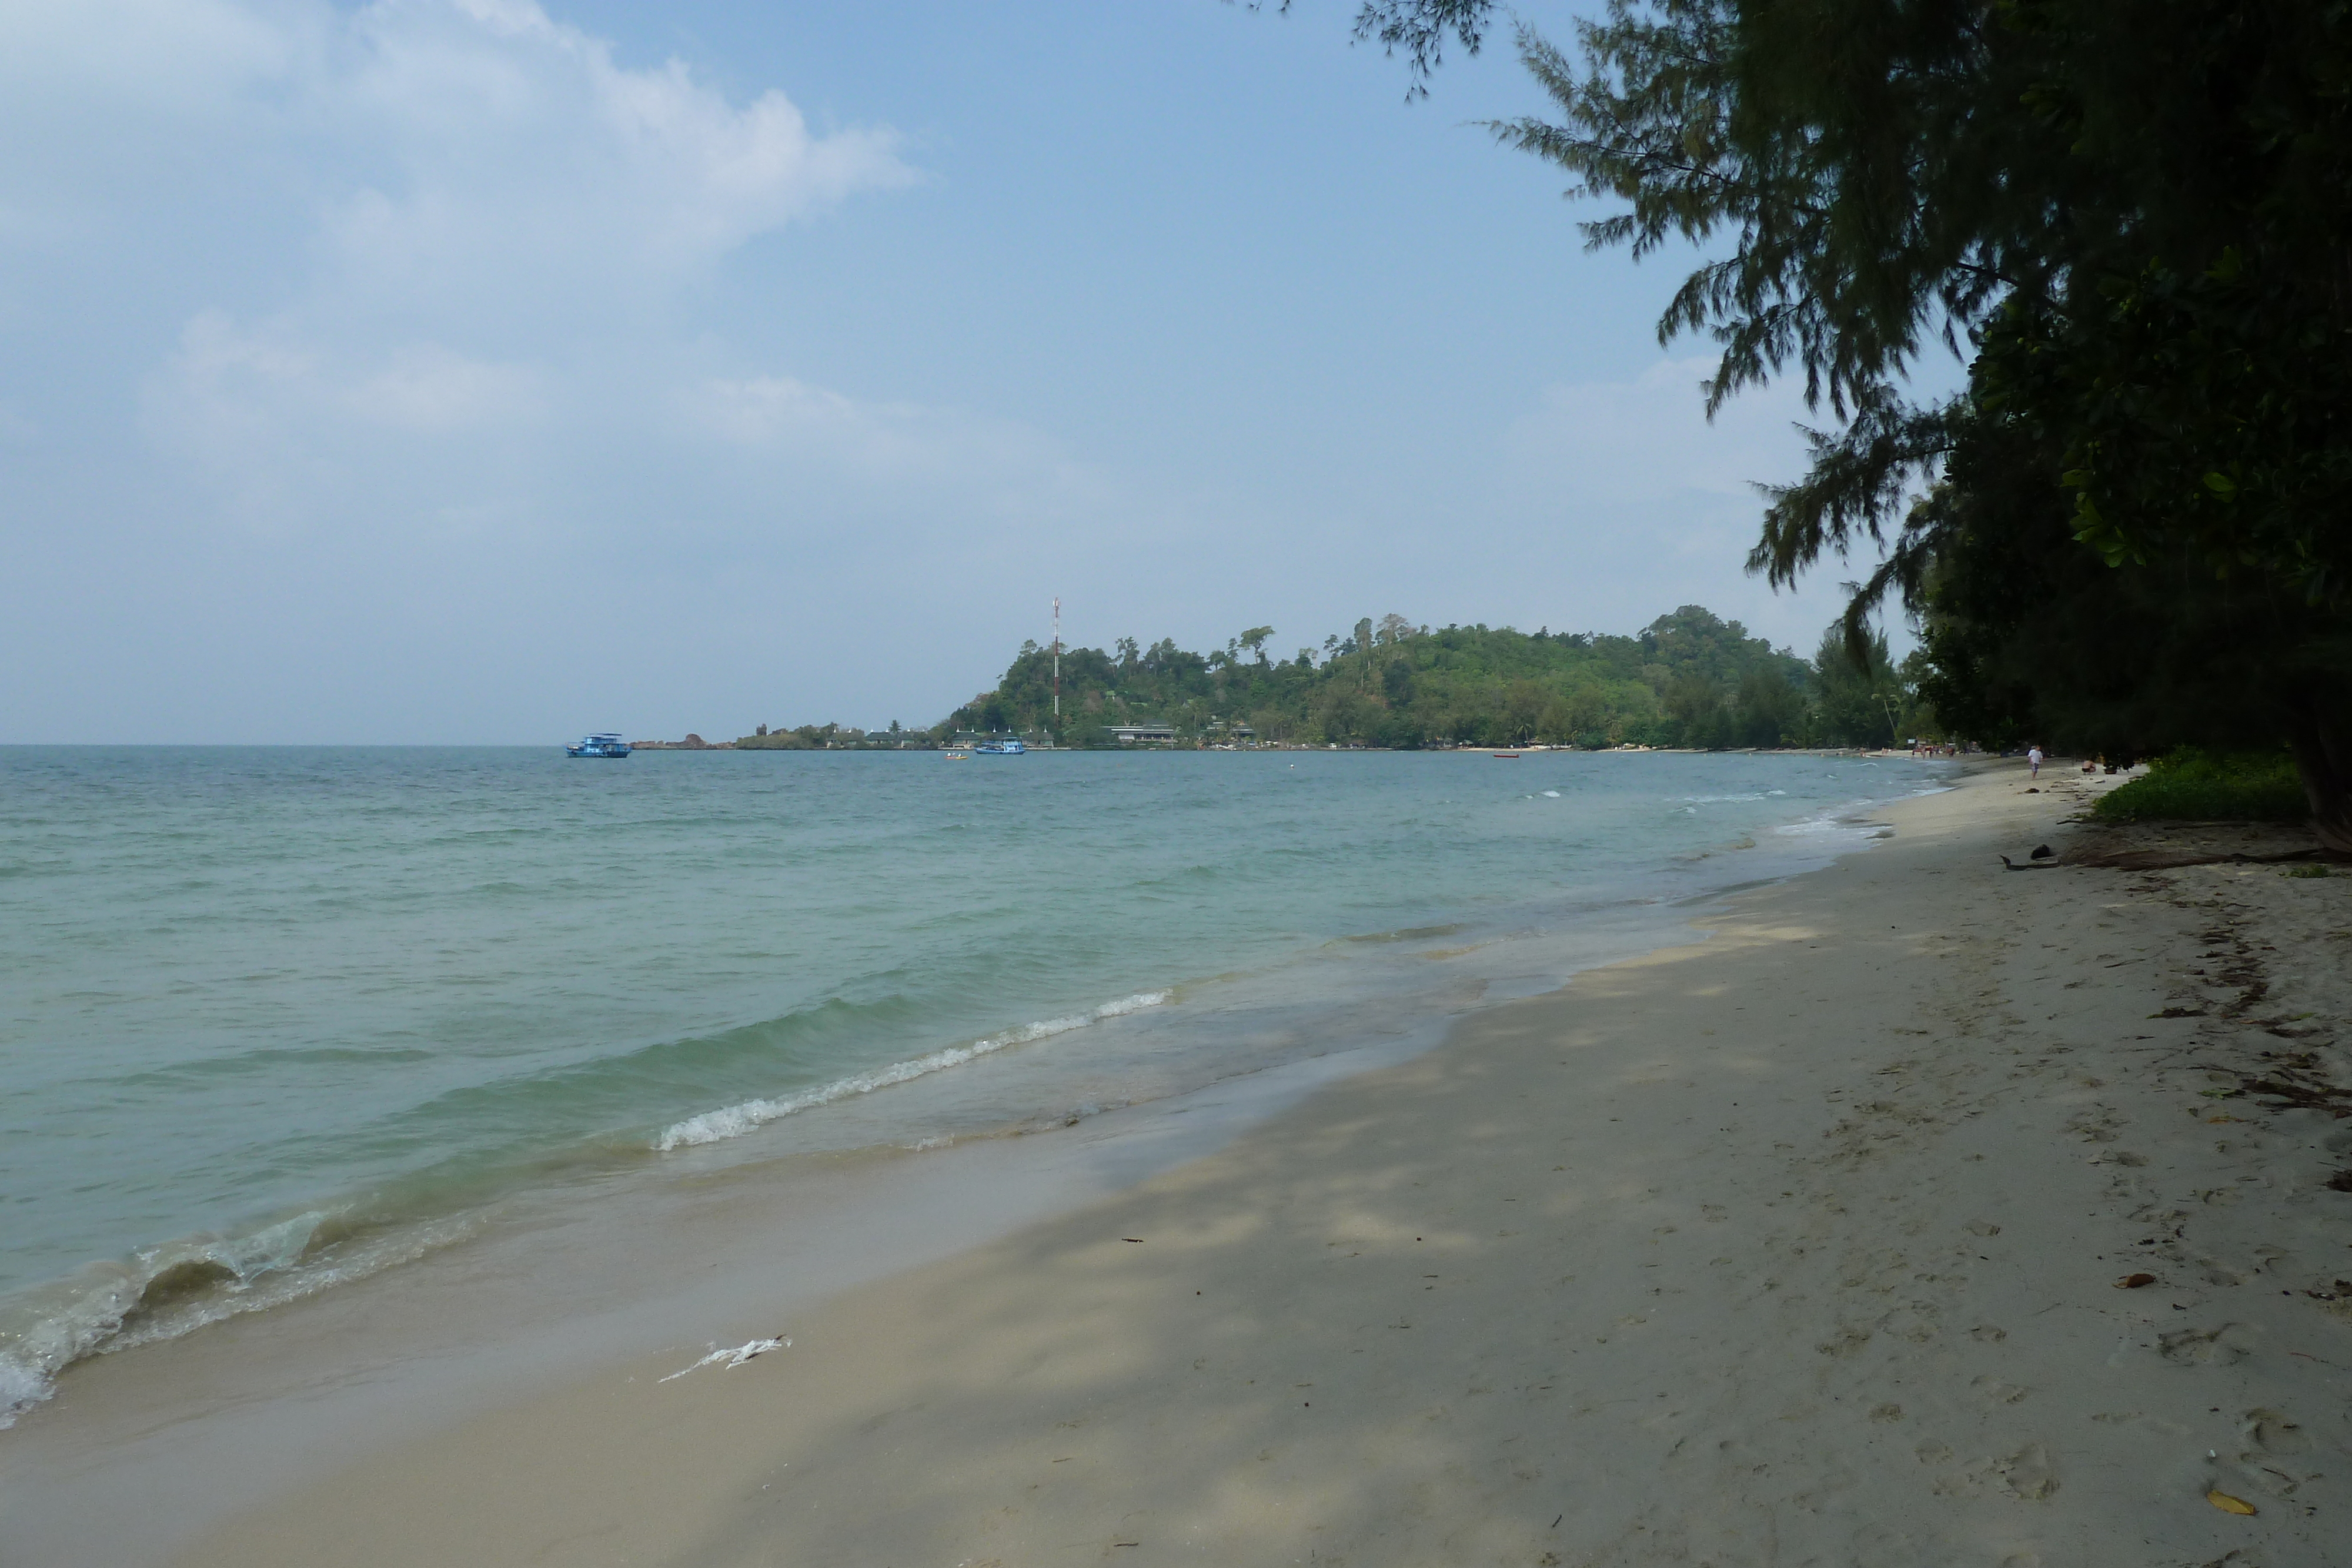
[
  {"x": 1862, "y": 702},
  {"x": 1396, "y": 683},
  {"x": 2131, "y": 218},
  {"x": 1769, "y": 708}
]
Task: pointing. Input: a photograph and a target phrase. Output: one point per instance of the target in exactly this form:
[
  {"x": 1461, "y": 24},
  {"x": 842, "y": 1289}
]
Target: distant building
[{"x": 1140, "y": 733}]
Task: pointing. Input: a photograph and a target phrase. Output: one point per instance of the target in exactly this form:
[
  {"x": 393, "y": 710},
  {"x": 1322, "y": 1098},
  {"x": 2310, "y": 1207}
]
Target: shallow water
[{"x": 278, "y": 1017}]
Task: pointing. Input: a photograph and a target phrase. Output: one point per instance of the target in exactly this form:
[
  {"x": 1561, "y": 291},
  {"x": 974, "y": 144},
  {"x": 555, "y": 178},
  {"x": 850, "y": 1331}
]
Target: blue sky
[{"x": 485, "y": 371}]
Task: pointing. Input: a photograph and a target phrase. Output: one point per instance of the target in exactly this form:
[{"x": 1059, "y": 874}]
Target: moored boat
[
  {"x": 1005, "y": 747},
  {"x": 608, "y": 746}
]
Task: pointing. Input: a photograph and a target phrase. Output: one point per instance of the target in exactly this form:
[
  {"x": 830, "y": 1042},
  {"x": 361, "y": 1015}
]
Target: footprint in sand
[
  {"x": 2196, "y": 1347},
  {"x": 1993, "y": 1389},
  {"x": 2028, "y": 1472},
  {"x": 2271, "y": 1455},
  {"x": 2273, "y": 1433}
]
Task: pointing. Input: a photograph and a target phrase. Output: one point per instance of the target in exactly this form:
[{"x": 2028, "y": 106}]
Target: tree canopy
[
  {"x": 1688, "y": 679},
  {"x": 2129, "y": 219}
]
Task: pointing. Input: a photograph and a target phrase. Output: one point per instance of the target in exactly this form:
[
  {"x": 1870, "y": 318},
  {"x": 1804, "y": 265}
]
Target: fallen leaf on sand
[
  {"x": 2229, "y": 1504},
  {"x": 2133, "y": 1281}
]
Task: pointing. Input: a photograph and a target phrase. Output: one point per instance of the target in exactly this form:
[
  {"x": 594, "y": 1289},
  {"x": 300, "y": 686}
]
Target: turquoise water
[{"x": 279, "y": 1017}]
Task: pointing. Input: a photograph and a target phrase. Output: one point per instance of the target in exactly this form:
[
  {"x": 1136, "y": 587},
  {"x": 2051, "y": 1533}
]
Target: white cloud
[
  {"x": 160, "y": 55},
  {"x": 452, "y": 158},
  {"x": 429, "y": 388},
  {"x": 531, "y": 167},
  {"x": 491, "y": 240}
]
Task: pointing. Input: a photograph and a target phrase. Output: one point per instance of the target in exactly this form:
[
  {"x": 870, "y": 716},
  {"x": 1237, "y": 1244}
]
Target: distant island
[{"x": 1689, "y": 679}]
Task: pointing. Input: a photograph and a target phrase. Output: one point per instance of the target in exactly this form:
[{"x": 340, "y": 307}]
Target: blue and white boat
[
  {"x": 1008, "y": 747},
  {"x": 610, "y": 745}
]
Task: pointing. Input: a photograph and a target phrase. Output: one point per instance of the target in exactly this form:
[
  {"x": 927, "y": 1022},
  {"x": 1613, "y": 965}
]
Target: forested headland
[{"x": 1689, "y": 679}]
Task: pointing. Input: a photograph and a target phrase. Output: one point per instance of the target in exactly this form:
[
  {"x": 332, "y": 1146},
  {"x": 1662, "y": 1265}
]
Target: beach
[{"x": 1809, "y": 1240}]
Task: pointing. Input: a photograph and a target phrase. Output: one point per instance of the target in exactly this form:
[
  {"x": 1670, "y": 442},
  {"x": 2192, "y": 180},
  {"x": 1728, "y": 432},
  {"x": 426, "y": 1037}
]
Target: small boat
[
  {"x": 610, "y": 745},
  {"x": 1007, "y": 747},
  {"x": 959, "y": 757},
  {"x": 1507, "y": 756}
]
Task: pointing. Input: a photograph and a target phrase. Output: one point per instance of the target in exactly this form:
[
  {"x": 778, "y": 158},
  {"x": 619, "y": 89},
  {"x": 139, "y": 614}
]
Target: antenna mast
[{"x": 1057, "y": 662}]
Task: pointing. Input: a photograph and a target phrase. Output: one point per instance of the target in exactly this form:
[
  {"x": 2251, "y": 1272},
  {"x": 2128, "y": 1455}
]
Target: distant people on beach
[{"x": 2033, "y": 757}]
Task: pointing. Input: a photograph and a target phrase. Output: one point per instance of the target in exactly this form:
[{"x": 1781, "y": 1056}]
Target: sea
[{"x": 275, "y": 1020}]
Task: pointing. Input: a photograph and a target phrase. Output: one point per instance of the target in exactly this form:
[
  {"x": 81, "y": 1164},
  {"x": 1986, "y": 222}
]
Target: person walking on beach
[{"x": 2033, "y": 757}]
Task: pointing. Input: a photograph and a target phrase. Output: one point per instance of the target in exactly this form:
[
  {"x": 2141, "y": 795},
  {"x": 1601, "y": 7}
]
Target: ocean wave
[
  {"x": 162, "y": 1293},
  {"x": 165, "y": 1290},
  {"x": 1403, "y": 934},
  {"x": 1837, "y": 818},
  {"x": 734, "y": 1121}
]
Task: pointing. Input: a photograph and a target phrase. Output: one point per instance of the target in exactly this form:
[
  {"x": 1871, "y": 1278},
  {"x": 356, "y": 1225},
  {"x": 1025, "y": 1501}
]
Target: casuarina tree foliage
[{"x": 2129, "y": 218}]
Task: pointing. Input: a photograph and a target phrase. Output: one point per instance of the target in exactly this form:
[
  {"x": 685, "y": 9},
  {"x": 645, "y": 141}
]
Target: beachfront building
[{"x": 1142, "y": 734}]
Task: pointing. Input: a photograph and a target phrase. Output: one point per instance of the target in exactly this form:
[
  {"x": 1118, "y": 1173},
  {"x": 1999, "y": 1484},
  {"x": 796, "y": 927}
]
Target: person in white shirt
[{"x": 2033, "y": 756}]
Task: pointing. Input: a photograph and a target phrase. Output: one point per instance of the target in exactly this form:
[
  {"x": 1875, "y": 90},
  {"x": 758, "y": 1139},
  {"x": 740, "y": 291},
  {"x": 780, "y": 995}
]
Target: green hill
[{"x": 1687, "y": 679}]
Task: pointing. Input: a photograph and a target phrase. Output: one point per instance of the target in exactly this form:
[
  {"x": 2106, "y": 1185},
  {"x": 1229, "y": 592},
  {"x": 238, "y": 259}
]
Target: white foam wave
[
  {"x": 95, "y": 1310},
  {"x": 22, "y": 1387},
  {"x": 1134, "y": 1004},
  {"x": 162, "y": 1293},
  {"x": 734, "y": 1121}
]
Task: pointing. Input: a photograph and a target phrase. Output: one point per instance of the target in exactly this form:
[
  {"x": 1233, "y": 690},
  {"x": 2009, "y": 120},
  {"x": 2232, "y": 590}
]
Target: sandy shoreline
[{"x": 1796, "y": 1245}]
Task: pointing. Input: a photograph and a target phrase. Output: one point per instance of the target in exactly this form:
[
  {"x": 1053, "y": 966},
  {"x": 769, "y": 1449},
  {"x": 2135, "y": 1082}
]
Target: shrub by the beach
[{"x": 2195, "y": 786}]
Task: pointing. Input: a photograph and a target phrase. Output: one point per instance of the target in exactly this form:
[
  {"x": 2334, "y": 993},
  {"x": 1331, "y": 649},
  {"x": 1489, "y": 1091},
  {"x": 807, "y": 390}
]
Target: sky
[{"x": 485, "y": 371}]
